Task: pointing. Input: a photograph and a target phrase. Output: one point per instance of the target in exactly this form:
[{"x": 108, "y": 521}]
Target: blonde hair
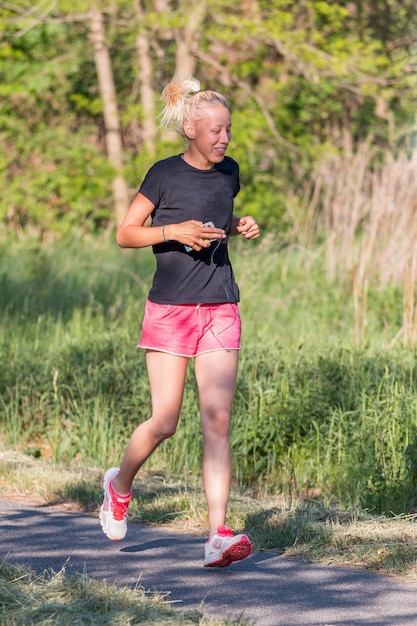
[{"x": 184, "y": 101}]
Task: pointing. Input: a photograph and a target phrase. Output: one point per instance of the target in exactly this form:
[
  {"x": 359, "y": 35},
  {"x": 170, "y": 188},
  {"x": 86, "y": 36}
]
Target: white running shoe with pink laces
[
  {"x": 113, "y": 511},
  {"x": 224, "y": 548}
]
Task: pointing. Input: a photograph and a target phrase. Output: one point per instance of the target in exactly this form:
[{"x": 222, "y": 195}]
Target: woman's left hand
[{"x": 248, "y": 227}]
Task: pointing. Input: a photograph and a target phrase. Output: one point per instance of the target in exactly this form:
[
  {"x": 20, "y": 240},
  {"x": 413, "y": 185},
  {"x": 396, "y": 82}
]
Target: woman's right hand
[{"x": 194, "y": 234}]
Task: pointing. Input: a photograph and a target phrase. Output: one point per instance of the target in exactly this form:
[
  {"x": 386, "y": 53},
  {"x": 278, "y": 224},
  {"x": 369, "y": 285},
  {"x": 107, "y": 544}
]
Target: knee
[
  {"x": 163, "y": 429},
  {"x": 218, "y": 423},
  {"x": 167, "y": 432}
]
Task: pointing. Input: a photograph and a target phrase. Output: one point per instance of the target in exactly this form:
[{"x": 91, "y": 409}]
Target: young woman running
[{"x": 192, "y": 307}]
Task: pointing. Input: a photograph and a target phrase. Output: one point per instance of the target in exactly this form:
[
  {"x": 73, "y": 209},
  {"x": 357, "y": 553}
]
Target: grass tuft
[{"x": 28, "y": 599}]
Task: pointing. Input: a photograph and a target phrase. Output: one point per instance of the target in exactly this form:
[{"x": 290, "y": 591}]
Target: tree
[
  {"x": 188, "y": 37},
  {"x": 147, "y": 93},
  {"x": 110, "y": 110},
  {"x": 299, "y": 77}
]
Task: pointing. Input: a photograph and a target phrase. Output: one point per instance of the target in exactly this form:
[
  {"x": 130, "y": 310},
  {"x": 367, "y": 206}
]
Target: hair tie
[{"x": 163, "y": 234}]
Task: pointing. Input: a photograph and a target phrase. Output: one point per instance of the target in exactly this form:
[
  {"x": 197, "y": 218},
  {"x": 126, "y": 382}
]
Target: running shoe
[
  {"x": 224, "y": 548},
  {"x": 113, "y": 511}
]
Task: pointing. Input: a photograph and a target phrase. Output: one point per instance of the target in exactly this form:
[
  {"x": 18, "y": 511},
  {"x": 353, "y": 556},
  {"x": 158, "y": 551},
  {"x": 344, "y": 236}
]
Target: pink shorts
[{"x": 190, "y": 329}]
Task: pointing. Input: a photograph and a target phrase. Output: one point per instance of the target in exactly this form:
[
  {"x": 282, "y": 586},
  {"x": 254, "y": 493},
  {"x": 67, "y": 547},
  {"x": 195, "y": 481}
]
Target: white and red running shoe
[
  {"x": 113, "y": 511},
  {"x": 224, "y": 548}
]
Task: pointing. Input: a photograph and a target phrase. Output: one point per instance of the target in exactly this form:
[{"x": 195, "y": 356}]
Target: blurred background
[
  {"x": 324, "y": 102},
  {"x": 323, "y": 97}
]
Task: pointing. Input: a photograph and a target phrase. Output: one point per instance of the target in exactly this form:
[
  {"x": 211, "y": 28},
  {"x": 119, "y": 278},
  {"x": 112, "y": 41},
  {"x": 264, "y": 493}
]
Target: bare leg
[
  {"x": 166, "y": 377},
  {"x": 216, "y": 378}
]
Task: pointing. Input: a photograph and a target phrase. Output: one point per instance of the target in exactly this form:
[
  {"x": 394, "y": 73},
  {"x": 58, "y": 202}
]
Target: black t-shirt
[{"x": 181, "y": 192}]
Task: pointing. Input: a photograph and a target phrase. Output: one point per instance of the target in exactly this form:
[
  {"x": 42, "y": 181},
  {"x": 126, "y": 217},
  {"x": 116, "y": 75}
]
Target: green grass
[{"x": 313, "y": 410}]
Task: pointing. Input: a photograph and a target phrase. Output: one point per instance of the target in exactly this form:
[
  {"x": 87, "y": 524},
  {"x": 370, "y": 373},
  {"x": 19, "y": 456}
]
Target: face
[{"x": 208, "y": 137}]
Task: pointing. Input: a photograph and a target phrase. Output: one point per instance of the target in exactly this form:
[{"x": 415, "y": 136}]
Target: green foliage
[
  {"x": 53, "y": 173},
  {"x": 66, "y": 187},
  {"x": 298, "y": 75}
]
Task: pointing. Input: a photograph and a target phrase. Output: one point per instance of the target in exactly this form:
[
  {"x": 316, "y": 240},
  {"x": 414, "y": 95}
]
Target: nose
[{"x": 225, "y": 136}]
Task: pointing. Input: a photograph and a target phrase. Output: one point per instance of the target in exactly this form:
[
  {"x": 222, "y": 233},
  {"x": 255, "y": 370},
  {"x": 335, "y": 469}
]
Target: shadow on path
[{"x": 269, "y": 590}]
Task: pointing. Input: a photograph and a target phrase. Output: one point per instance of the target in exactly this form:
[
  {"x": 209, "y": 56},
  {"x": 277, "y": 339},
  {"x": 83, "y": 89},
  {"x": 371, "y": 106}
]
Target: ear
[{"x": 189, "y": 130}]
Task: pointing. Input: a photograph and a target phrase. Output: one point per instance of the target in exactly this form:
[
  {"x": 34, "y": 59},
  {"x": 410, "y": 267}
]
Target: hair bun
[
  {"x": 178, "y": 89},
  {"x": 183, "y": 100}
]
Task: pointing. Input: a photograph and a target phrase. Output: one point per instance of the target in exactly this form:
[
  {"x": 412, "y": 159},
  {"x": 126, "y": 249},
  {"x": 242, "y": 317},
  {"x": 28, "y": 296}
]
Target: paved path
[{"x": 269, "y": 590}]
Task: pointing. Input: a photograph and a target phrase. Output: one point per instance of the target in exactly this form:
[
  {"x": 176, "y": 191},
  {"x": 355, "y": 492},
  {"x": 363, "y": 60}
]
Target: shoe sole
[
  {"x": 104, "y": 527},
  {"x": 236, "y": 552}
]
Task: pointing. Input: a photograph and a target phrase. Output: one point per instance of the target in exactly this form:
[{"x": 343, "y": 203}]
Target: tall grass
[
  {"x": 362, "y": 205},
  {"x": 314, "y": 411}
]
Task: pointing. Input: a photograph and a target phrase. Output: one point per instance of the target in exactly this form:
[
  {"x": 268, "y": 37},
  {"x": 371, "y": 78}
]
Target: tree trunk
[
  {"x": 188, "y": 39},
  {"x": 147, "y": 96},
  {"x": 110, "y": 112}
]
